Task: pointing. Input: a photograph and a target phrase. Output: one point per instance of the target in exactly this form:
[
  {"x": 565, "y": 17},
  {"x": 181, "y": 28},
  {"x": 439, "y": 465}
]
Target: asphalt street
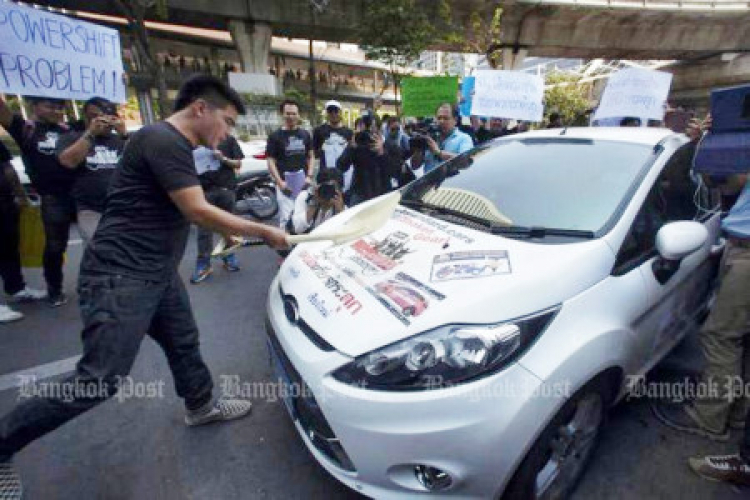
[{"x": 139, "y": 447}]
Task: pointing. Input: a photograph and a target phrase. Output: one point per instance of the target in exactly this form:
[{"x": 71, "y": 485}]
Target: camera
[{"x": 328, "y": 190}]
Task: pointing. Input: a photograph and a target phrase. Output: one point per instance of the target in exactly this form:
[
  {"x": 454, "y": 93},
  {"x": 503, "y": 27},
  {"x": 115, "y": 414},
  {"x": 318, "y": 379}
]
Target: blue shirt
[
  {"x": 737, "y": 223},
  {"x": 456, "y": 143}
]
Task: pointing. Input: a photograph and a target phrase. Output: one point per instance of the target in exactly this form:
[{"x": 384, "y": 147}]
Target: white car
[
  {"x": 255, "y": 157},
  {"x": 470, "y": 347}
]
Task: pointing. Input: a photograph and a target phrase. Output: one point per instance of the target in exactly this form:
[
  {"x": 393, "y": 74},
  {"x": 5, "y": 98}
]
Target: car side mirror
[{"x": 674, "y": 242}]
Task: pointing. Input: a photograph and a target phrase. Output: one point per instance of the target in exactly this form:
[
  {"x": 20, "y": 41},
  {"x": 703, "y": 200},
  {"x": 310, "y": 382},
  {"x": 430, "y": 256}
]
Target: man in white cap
[{"x": 331, "y": 138}]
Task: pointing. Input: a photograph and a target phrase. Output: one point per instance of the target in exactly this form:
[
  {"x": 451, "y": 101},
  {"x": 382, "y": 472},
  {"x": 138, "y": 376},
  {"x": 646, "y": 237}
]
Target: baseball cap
[{"x": 333, "y": 104}]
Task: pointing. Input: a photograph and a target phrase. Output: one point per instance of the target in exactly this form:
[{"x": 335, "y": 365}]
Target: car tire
[{"x": 559, "y": 455}]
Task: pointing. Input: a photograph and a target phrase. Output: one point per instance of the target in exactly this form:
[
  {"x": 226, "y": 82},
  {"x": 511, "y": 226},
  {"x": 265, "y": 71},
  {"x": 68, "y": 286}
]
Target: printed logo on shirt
[
  {"x": 49, "y": 145},
  {"x": 295, "y": 146},
  {"x": 102, "y": 158},
  {"x": 333, "y": 147}
]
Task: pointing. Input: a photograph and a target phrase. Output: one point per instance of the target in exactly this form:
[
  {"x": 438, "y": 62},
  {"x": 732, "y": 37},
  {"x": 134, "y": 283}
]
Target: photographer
[
  {"x": 367, "y": 159},
  {"x": 452, "y": 142},
  {"x": 94, "y": 155},
  {"x": 319, "y": 203}
]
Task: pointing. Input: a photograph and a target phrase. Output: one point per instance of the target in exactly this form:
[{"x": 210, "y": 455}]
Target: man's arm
[
  {"x": 11, "y": 176},
  {"x": 193, "y": 205},
  {"x": 71, "y": 156}
]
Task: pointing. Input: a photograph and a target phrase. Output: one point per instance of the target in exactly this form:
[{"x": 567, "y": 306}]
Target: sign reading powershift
[{"x": 46, "y": 54}]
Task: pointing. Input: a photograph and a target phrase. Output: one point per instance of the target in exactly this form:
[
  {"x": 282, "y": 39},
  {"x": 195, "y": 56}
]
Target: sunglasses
[{"x": 333, "y": 109}]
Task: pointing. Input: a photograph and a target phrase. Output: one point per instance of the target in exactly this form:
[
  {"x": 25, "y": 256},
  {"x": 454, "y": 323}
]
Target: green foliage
[
  {"x": 479, "y": 33},
  {"x": 395, "y": 32},
  {"x": 565, "y": 95}
]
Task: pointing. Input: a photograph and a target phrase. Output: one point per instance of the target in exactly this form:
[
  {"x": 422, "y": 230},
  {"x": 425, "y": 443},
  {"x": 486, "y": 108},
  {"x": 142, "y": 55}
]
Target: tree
[
  {"x": 135, "y": 12},
  {"x": 566, "y": 95},
  {"x": 479, "y": 33},
  {"x": 395, "y": 32}
]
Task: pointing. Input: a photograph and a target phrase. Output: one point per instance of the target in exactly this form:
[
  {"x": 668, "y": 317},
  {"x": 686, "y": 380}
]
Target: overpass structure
[{"x": 696, "y": 32}]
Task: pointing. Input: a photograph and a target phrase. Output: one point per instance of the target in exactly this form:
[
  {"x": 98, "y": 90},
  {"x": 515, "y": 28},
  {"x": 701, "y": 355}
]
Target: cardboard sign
[
  {"x": 635, "y": 92},
  {"x": 422, "y": 96},
  {"x": 46, "y": 54},
  {"x": 508, "y": 94}
]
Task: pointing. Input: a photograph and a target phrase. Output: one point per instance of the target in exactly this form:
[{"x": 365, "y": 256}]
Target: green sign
[{"x": 422, "y": 96}]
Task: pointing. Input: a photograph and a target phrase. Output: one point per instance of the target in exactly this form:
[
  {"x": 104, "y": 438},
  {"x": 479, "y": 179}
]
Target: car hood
[{"x": 418, "y": 272}]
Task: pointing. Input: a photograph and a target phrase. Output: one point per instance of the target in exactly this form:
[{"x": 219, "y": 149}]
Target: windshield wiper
[
  {"x": 539, "y": 232},
  {"x": 448, "y": 211}
]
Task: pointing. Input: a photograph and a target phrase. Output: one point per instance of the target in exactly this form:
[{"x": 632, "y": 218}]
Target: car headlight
[{"x": 445, "y": 356}]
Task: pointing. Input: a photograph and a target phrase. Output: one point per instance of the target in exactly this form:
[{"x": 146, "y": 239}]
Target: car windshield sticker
[
  {"x": 469, "y": 264},
  {"x": 421, "y": 286}
]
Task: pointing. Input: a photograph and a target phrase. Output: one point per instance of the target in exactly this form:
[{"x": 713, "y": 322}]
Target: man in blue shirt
[
  {"x": 453, "y": 142},
  {"x": 722, "y": 402}
]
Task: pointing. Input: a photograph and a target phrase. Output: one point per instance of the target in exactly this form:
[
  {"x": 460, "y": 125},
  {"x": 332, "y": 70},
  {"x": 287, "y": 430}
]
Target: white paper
[
  {"x": 508, "y": 94},
  {"x": 205, "y": 161},
  {"x": 635, "y": 92},
  {"x": 46, "y": 54}
]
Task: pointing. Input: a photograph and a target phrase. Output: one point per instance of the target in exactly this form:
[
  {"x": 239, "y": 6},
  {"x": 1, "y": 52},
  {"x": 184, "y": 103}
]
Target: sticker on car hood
[{"x": 469, "y": 264}]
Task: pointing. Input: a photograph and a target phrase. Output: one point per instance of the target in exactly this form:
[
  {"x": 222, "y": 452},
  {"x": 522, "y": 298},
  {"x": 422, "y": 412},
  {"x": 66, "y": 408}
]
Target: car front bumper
[{"x": 372, "y": 440}]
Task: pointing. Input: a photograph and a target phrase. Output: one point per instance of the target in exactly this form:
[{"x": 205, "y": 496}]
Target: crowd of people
[{"x": 134, "y": 198}]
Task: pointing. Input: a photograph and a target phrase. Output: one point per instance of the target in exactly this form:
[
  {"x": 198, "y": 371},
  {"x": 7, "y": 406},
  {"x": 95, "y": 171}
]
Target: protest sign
[
  {"x": 467, "y": 94},
  {"x": 46, "y": 54},
  {"x": 635, "y": 92},
  {"x": 422, "y": 96},
  {"x": 508, "y": 94}
]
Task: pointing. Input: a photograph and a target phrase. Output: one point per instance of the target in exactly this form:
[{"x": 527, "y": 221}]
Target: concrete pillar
[{"x": 253, "y": 43}]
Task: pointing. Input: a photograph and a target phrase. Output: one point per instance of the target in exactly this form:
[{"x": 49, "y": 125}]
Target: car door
[{"x": 675, "y": 307}]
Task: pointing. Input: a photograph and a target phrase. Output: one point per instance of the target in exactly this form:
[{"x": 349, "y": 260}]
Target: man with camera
[
  {"x": 37, "y": 139},
  {"x": 451, "y": 142},
  {"x": 319, "y": 203},
  {"x": 94, "y": 155}
]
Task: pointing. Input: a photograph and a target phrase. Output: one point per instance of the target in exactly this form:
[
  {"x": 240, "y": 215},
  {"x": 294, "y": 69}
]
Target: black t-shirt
[
  {"x": 38, "y": 143},
  {"x": 6, "y": 188},
  {"x": 95, "y": 173},
  {"x": 142, "y": 233},
  {"x": 329, "y": 143},
  {"x": 289, "y": 148},
  {"x": 225, "y": 177}
]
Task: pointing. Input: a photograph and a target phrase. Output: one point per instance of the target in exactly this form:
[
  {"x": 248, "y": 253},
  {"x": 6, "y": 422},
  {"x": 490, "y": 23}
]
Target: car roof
[{"x": 637, "y": 135}]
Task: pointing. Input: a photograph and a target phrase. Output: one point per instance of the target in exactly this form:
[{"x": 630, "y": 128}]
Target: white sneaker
[
  {"x": 222, "y": 410},
  {"x": 28, "y": 294},
  {"x": 7, "y": 314}
]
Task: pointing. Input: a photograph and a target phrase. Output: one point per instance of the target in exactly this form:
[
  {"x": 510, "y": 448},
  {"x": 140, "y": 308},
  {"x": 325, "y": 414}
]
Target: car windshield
[{"x": 533, "y": 186}]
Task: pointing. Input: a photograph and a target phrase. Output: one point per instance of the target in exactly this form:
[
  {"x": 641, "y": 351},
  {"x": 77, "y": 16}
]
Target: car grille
[
  {"x": 309, "y": 332},
  {"x": 305, "y": 408}
]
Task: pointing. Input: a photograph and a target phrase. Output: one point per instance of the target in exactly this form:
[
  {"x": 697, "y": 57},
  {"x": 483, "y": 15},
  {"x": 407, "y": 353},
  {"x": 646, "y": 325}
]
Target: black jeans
[
  {"x": 10, "y": 259},
  {"x": 745, "y": 444},
  {"x": 58, "y": 213},
  {"x": 117, "y": 312}
]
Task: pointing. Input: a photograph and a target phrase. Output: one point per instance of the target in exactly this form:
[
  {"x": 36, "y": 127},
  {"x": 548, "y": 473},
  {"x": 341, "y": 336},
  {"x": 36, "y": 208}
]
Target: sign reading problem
[{"x": 46, "y": 54}]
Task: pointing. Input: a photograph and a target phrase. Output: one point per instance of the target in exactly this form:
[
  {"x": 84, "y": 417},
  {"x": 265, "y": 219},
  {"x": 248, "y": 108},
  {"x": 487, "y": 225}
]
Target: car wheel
[
  {"x": 261, "y": 203},
  {"x": 556, "y": 462}
]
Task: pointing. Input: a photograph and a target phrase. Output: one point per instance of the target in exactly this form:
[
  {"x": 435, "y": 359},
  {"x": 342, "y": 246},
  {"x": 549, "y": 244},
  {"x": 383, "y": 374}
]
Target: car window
[
  {"x": 551, "y": 182},
  {"x": 676, "y": 195}
]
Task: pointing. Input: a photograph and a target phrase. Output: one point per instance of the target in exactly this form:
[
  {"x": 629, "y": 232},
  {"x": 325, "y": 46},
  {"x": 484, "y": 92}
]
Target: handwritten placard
[
  {"x": 508, "y": 94},
  {"x": 635, "y": 92},
  {"x": 46, "y": 54},
  {"x": 422, "y": 96}
]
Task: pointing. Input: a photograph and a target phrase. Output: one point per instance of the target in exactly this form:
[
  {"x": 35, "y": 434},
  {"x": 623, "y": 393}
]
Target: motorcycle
[{"x": 256, "y": 195}]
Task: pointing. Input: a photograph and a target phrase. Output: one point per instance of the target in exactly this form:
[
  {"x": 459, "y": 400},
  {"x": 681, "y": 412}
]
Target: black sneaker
[
  {"x": 682, "y": 417},
  {"x": 727, "y": 468},
  {"x": 10, "y": 482},
  {"x": 57, "y": 299}
]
